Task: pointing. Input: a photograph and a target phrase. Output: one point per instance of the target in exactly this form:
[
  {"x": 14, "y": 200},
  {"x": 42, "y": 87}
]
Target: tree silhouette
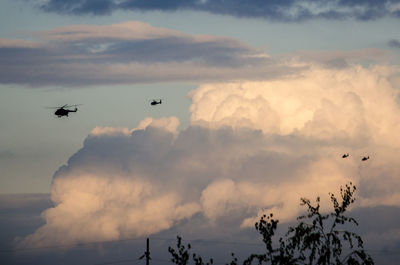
[
  {"x": 181, "y": 256},
  {"x": 318, "y": 238}
]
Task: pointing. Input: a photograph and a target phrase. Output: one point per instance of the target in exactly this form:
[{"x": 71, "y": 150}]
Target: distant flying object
[
  {"x": 64, "y": 110},
  {"x": 345, "y": 155},
  {"x": 155, "y": 102},
  {"x": 365, "y": 158}
]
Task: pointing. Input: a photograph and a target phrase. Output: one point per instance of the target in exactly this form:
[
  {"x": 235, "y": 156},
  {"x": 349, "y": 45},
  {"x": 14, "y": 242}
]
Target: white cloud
[
  {"x": 170, "y": 124},
  {"x": 93, "y": 207},
  {"x": 321, "y": 103},
  {"x": 252, "y": 147}
]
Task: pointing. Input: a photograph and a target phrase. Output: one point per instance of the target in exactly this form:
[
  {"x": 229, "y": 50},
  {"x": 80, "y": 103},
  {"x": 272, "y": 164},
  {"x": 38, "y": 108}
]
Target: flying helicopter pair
[
  {"x": 365, "y": 158},
  {"x": 66, "y": 109}
]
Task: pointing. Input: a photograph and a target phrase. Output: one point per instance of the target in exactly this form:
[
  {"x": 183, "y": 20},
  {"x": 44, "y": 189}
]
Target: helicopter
[
  {"x": 365, "y": 158},
  {"x": 345, "y": 155},
  {"x": 64, "y": 110},
  {"x": 155, "y": 102}
]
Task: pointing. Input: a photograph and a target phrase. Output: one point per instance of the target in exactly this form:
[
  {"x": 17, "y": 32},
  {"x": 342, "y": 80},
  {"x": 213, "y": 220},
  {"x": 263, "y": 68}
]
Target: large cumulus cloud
[
  {"x": 286, "y": 11},
  {"x": 321, "y": 103},
  {"x": 251, "y": 147}
]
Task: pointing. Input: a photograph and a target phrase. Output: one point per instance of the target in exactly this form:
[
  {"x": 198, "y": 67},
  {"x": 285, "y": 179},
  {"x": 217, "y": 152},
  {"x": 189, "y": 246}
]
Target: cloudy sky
[{"x": 260, "y": 101}]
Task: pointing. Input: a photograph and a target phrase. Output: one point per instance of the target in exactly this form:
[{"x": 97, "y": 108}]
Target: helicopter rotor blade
[
  {"x": 64, "y": 106},
  {"x": 70, "y": 106},
  {"x": 58, "y": 107}
]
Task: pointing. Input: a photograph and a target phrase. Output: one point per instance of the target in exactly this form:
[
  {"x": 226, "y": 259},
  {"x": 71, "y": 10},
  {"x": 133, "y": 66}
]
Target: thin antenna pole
[{"x": 147, "y": 252}]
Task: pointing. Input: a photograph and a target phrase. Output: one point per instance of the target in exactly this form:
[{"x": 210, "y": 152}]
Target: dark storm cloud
[
  {"x": 6, "y": 155},
  {"x": 19, "y": 215},
  {"x": 394, "y": 43},
  {"x": 275, "y": 10}
]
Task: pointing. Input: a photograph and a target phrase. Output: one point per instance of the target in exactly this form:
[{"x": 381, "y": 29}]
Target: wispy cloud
[
  {"x": 276, "y": 10},
  {"x": 136, "y": 52},
  {"x": 340, "y": 59},
  {"x": 10, "y": 203},
  {"x": 130, "y": 52}
]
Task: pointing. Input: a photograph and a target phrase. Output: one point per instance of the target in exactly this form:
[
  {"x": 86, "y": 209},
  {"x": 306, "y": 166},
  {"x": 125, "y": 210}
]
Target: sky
[{"x": 260, "y": 101}]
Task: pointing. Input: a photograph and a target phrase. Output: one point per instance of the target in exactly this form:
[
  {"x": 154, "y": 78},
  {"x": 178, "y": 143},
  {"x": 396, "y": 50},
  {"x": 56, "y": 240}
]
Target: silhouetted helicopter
[
  {"x": 345, "y": 155},
  {"x": 365, "y": 158},
  {"x": 155, "y": 102},
  {"x": 64, "y": 110}
]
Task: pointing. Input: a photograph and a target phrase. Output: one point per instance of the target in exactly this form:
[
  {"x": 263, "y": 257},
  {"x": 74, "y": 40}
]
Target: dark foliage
[
  {"x": 317, "y": 239},
  {"x": 181, "y": 255}
]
